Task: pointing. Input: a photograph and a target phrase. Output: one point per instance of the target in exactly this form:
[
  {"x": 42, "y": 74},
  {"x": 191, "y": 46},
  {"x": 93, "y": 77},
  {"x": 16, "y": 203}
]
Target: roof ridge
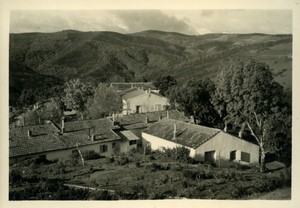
[
  {"x": 88, "y": 120},
  {"x": 196, "y": 125}
]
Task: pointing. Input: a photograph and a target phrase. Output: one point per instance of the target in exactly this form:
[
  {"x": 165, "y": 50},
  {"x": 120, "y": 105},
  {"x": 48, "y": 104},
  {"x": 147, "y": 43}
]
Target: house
[
  {"x": 52, "y": 142},
  {"x": 136, "y": 123},
  {"x": 137, "y": 100},
  {"x": 106, "y": 136},
  {"x": 209, "y": 144}
]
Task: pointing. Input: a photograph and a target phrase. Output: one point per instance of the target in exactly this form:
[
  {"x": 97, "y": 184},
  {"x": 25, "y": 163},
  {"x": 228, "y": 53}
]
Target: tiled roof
[
  {"x": 47, "y": 138},
  {"x": 139, "y": 120},
  {"x": 123, "y": 92},
  {"x": 133, "y": 94},
  {"x": 189, "y": 135}
]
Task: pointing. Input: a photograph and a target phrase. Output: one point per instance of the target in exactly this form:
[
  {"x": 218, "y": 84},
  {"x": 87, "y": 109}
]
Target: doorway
[{"x": 138, "y": 109}]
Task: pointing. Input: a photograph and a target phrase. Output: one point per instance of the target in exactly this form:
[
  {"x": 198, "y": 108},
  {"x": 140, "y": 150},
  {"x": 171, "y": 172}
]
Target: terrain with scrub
[{"x": 144, "y": 175}]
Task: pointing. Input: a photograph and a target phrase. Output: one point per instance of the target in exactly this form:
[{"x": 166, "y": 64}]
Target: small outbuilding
[{"x": 208, "y": 144}]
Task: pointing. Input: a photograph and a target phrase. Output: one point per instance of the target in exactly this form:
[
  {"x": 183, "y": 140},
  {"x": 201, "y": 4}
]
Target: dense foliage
[
  {"x": 194, "y": 98},
  {"x": 246, "y": 95},
  {"x": 104, "y": 102}
]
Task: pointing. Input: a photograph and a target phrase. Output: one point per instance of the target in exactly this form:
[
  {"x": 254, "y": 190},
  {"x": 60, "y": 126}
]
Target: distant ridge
[{"x": 142, "y": 56}]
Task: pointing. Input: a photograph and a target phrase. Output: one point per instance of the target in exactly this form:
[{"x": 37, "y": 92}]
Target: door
[
  {"x": 138, "y": 109},
  {"x": 209, "y": 156},
  {"x": 158, "y": 107}
]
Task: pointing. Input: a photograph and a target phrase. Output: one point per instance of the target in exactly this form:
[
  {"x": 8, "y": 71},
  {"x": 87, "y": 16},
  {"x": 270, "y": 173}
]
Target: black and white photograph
[{"x": 150, "y": 104}]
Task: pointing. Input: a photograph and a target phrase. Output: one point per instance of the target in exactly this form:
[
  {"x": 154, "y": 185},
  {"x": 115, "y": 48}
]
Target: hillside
[{"x": 112, "y": 57}]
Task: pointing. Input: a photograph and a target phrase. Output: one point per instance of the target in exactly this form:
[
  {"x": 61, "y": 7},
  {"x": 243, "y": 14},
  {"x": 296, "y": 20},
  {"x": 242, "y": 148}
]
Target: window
[
  {"x": 209, "y": 156},
  {"x": 132, "y": 142},
  {"x": 103, "y": 148},
  {"x": 158, "y": 107},
  {"x": 245, "y": 157},
  {"x": 233, "y": 155},
  {"x": 113, "y": 145}
]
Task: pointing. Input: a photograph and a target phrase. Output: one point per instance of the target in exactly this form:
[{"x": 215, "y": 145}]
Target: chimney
[
  {"x": 146, "y": 120},
  {"x": 63, "y": 125},
  {"x": 114, "y": 119},
  {"x": 174, "y": 132},
  {"x": 167, "y": 114},
  {"x": 29, "y": 133},
  {"x": 159, "y": 117}
]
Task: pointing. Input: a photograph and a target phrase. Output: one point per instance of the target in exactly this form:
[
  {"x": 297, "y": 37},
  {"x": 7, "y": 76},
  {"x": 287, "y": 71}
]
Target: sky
[{"x": 190, "y": 22}]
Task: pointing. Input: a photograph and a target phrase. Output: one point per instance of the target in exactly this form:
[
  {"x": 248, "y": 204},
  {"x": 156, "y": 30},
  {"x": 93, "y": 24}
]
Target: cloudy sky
[{"x": 191, "y": 22}]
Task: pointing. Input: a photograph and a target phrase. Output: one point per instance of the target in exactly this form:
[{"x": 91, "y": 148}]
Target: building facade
[
  {"x": 143, "y": 101},
  {"x": 208, "y": 144}
]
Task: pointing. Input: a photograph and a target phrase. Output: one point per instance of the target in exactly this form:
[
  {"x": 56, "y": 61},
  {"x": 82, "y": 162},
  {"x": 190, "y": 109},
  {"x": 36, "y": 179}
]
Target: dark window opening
[
  {"x": 233, "y": 155},
  {"x": 209, "y": 156},
  {"x": 245, "y": 157},
  {"x": 113, "y": 145},
  {"x": 103, "y": 148},
  {"x": 132, "y": 142}
]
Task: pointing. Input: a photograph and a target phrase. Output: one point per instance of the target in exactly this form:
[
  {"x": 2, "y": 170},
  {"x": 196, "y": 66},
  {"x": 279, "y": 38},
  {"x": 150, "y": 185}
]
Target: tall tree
[
  {"x": 247, "y": 96},
  {"x": 77, "y": 94},
  {"x": 164, "y": 82},
  {"x": 194, "y": 98},
  {"x": 106, "y": 101}
]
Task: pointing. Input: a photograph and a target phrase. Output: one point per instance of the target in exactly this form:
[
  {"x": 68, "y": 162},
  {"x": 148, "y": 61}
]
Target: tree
[
  {"x": 164, "y": 82},
  {"x": 247, "y": 96},
  {"x": 106, "y": 101},
  {"x": 194, "y": 98},
  {"x": 77, "y": 94},
  {"x": 51, "y": 110},
  {"x": 26, "y": 98}
]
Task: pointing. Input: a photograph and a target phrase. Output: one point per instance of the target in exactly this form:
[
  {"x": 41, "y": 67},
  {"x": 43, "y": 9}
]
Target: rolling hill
[{"x": 112, "y": 57}]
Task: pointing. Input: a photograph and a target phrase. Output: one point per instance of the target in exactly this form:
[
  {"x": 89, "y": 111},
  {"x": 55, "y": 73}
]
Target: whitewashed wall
[
  {"x": 224, "y": 143},
  {"x": 158, "y": 143},
  {"x": 147, "y": 102}
]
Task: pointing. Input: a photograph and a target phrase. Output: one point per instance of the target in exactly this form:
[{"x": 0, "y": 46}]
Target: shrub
[
  {"x": 198, "y": 173},
  {"x": 156, "y": 166},
  {"x": 138, "y": 164},
  {"x": 90, "y": 155},
  {"x": 180, "y": 154},
  {"x": 122, "y": 160}
]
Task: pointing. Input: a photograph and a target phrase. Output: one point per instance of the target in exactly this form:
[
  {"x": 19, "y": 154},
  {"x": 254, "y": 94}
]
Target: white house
[
  {"x": 209, "y": 144},
  {"x": 143, "y": 101}
]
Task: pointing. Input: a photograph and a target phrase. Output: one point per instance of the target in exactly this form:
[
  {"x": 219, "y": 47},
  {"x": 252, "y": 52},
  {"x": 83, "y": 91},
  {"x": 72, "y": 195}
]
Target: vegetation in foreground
[{"x": 135, "y": 176}]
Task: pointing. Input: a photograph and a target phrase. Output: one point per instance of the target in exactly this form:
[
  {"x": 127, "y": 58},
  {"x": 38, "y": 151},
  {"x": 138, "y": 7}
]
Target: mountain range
[{"x": 53, "y": 58}]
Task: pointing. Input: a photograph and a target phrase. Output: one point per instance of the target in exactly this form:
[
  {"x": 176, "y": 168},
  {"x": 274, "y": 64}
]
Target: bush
[
  {"x": 90, "y": 155},
  {"x": 198, "y": 173},
  {"x": 180, "y": 154},
  {"x": 156, "y": 166},
  {"x": 122, "y": 160}
]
